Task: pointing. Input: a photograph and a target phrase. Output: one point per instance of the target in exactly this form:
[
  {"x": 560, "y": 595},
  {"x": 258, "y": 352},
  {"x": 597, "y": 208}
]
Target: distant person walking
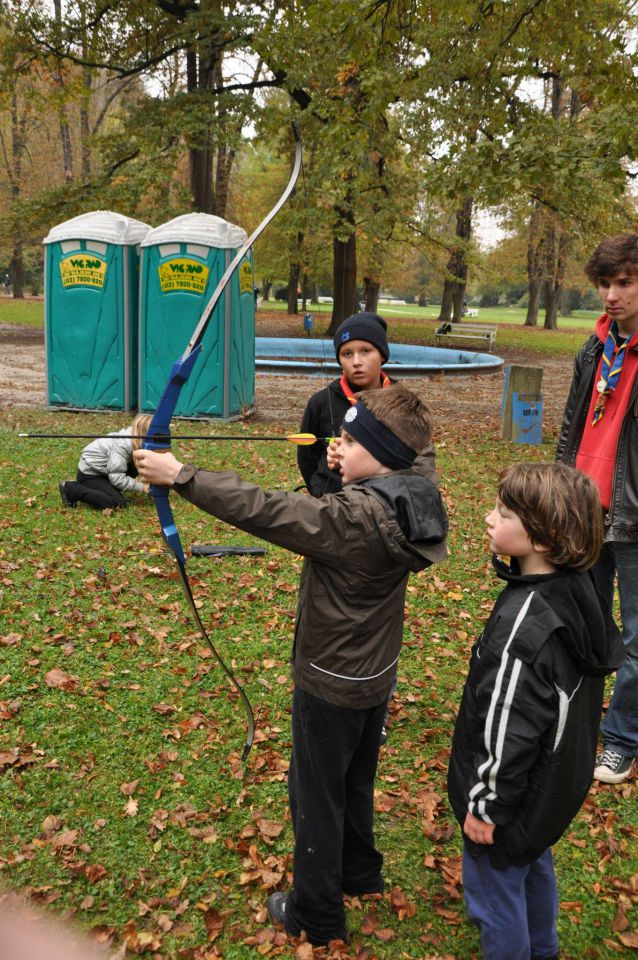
[{"x": 6, "y": 282}]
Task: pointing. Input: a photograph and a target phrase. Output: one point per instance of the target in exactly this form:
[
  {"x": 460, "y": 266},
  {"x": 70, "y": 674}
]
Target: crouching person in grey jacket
[
  {"x": 106, "y": 470},
  {"x": 359, "y": 546}
]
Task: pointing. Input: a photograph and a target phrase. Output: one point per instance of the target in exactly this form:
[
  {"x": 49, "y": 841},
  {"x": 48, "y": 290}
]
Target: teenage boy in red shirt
[{"x": 599, "y": 436}]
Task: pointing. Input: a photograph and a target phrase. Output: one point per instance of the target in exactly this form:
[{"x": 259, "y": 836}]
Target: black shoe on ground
[
  {"x": 66, "y": 502},
  {"x": 277, "y": 909},
  {"x": 612, "y": 767}
]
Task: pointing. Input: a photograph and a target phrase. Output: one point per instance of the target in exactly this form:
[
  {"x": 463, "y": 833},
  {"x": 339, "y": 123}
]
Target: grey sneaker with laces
[{"x": 612, "y": 767}]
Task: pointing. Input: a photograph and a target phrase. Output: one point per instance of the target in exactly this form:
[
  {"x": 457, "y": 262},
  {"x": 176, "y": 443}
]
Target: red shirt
[{"x": 597, "y": 450}]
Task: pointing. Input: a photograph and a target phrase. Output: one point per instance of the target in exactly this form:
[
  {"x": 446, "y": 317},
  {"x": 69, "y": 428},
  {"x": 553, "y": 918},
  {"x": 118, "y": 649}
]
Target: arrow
[{"x": 301, "y": 439}]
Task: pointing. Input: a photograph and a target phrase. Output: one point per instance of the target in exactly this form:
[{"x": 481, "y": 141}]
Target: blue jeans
[
  {"x": 620, "y": 725},
  {"x": 515, "y": 909}
]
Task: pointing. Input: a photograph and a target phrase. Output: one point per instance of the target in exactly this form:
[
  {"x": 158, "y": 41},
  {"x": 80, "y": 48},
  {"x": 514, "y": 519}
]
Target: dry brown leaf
[{"x": 57, "y": 679}]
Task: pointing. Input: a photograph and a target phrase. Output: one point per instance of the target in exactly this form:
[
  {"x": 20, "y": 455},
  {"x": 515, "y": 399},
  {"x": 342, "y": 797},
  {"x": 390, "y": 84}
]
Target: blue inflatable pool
[{"x": 315, "y": 358}]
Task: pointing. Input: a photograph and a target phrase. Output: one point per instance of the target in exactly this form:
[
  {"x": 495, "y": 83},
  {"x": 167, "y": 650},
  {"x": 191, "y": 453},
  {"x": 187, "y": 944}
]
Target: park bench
[{"x": 465, "y": 331}]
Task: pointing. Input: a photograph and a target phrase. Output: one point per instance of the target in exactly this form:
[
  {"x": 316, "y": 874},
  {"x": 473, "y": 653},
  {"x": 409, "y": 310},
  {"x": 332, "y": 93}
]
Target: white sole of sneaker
[{"x": 606, "y": 776}]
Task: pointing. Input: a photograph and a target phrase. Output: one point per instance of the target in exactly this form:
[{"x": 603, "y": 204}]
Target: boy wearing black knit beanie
[{"x": 361, "y": 347}]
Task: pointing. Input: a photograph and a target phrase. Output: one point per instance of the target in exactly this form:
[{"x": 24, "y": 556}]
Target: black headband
[{"x": 379, "y": 440}]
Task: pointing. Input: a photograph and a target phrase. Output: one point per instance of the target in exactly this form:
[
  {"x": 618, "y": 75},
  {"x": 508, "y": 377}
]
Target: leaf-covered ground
[{"x": 123, "y": 799}]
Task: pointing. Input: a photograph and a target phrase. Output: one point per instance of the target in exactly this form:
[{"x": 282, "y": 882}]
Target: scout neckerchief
[
  {"x": 345, "y": 386},
  {"x": 610, "y": 370}
]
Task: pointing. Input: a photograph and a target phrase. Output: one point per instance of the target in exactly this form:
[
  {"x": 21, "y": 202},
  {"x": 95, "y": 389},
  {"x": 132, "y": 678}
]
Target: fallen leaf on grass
[
  {"x": 304, "y": 952},
  {"x": 164, "y": 708},
  {"x": 129, "y": 788},
  {"x": 51, "y": 824},
  {"x": 57, "y": 679},
  {"x": 95, "y": 872},
  {"x": 269, "y": 829},
  {"x": 66, "y": 839},
  {"x": 10, "y": 639},
  {"x": 400, "y": 904}
]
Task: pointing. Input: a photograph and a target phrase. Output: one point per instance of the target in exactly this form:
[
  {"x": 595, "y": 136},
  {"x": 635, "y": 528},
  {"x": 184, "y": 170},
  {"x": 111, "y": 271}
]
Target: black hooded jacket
[{"x": 524, "y": 744}]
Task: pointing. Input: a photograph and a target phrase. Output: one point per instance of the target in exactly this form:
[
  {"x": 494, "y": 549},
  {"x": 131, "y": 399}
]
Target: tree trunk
[
  {"x": 85, "y": 99},
  {"x": 447, "y": 301},
  {"x": 199, "y": 156},
  {"x": 456, "y": 281},
  {"x": 555, "y": 276},
  {"x": 344, "y": 272},
  {"x": 17, "y": 271},
  {"x": 565, "y": 304},
  {"x": 531, "y": 320},
  {"x": 294, "y": 274},
  {"x": 225, "y": 158},
  {"x": 18, "y": 146},
  {"x": 536, "y": 262},
  {"x": 551, "y": 306},
  {"x": 371, "y": 290},
  {"x": 65, "y": 133},
  {"x": 85, "y": 131},
  {"x": 293, "y": 284},
  {"x": 266, "y": 287}
]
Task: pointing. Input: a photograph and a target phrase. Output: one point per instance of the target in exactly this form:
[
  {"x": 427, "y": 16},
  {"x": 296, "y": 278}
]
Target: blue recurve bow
[{"x": 158, "y": 436}]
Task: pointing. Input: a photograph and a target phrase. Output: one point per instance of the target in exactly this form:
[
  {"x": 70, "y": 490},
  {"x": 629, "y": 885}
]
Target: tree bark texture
[
  {"x": 456, "y": 281},
  {"x": 371, "y": 290},
  {"x": 65, "y": 133},
  {"x": 344, "y": 273}
]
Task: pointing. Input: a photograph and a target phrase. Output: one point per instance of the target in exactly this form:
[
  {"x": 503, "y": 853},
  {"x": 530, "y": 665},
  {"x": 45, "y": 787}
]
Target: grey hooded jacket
[{"x": 111, "y": 457}]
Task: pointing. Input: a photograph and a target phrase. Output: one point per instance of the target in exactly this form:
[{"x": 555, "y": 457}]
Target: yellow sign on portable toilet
[{"x": 182, "y": 262}]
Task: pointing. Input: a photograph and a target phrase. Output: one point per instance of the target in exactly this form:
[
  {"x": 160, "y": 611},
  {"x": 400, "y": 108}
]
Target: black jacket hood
[{"x": 582, "y": 620}]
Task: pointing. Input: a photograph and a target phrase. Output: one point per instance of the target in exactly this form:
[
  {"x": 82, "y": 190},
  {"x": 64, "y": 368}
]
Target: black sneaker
[
  {"x": 612, "y": 767},
  {"x": 277, "y": 909},
  {"x": 66, "y": 501}
]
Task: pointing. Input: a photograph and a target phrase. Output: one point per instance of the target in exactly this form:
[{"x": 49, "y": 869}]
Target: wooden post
[{"x": 523, "y": 381}]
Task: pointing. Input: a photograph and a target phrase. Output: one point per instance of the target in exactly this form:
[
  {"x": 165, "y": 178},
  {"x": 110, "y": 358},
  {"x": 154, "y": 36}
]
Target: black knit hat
[{"x": 364, "y": 326}]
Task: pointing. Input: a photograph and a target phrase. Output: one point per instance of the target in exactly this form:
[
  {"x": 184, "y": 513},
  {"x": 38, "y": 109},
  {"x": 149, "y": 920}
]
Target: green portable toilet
[
  {"x": 182, "y": 263},
  {"x": 91, "y": 293}
]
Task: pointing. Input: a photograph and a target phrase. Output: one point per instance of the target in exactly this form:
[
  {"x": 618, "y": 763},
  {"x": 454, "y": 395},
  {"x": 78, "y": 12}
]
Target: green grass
[
  {"x": 95, "y": 597},
  {"x": 511, "y": 333},
  {"x": 409, "y": 324},
  {"x": 506, "y": 315},
  {"x": 29, "y": 313}
]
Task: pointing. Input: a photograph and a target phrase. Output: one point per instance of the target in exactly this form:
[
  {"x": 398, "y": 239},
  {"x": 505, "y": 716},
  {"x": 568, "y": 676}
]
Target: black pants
[
  {"x": 331, "y": 789},
  {"x": 97, "y": 491}
]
